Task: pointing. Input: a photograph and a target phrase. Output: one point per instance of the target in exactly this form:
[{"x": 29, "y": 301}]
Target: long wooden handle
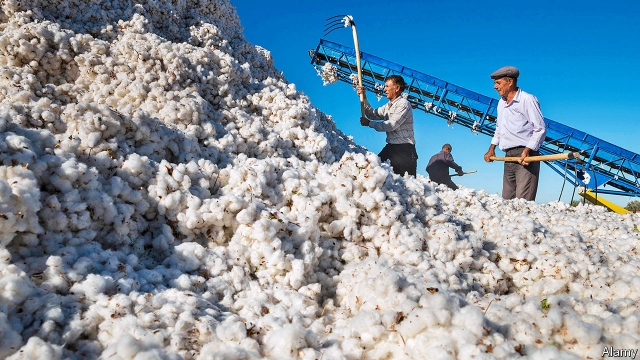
[
  {"x": 571, "y": 155},
  {"x": 464, "y": 173},
  {"x": 358, "y": 63}
]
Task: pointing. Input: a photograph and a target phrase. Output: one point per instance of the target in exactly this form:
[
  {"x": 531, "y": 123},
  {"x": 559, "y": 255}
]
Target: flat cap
[{"x": 507, "y": 71}]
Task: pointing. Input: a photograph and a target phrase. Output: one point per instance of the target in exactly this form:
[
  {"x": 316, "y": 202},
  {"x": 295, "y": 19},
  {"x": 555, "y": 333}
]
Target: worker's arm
[
  {"x": 491, "y": 152},
  {"x": 448, "y": 159},
  {"x": 539, "y": 129},
  {"x": 534, "y": 115},
  {"x": 369, "y": 112},
  {"x": 399, "y": 113},
  {"x": 525, "y": 153}
]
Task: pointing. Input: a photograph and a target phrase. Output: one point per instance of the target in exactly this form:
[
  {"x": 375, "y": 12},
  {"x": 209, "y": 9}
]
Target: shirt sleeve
[
  {"x": 371, "y": 113},
  {"x": 452, "y": 164},
  {"x": 398, "y": 114},
  {"x": 539, "y": 130},
  {"x": 495, "y": 140}
]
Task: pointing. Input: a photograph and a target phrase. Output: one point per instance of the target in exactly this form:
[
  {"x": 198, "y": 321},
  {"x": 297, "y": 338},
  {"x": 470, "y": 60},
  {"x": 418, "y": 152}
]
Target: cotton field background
[{"x": 166, "y": 194}]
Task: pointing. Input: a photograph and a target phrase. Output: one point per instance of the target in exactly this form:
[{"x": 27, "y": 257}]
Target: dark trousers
[
  {"x": 403, "y": 158},
  {"x": 520, "y": 181}
]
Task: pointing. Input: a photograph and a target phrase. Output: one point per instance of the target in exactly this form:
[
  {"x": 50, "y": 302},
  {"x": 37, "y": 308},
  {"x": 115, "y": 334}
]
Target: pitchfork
[{"x": 336, "y": 22}]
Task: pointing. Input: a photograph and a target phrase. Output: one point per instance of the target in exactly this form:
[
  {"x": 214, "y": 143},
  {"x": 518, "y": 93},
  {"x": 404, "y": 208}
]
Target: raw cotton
[{"x": 166, "y": 194}]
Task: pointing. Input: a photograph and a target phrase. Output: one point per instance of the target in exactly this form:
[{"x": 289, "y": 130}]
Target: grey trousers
[{"x": 520, "y": 181}]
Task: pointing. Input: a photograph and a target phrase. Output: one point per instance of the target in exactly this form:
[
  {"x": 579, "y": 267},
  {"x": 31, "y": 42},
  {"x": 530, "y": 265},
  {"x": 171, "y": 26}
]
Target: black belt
[{"x": 515, "y": 147}]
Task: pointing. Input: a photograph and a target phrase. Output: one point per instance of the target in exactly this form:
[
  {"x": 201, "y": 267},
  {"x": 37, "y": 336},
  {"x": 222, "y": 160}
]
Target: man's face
[
  {"x": 503, "y": 86},
  {"x": 392, "y": 90}
]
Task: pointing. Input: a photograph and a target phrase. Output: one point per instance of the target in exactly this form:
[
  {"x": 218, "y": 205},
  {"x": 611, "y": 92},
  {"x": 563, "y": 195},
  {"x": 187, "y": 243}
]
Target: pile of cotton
[{"x": 166, "y": 194}]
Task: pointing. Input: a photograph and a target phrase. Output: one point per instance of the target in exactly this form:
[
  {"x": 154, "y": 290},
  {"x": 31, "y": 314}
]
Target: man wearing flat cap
[{"x": 520, "y": 130}]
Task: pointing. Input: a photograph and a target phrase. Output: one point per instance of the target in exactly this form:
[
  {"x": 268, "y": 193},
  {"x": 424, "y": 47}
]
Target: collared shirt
[
  {"x": 519, "y": 123},
  {"x": 397, "y": 120},
  {"x": 439, "y": 164}
]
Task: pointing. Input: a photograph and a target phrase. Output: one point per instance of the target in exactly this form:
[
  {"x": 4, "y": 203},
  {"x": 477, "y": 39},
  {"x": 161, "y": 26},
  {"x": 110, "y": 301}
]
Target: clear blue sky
[{"x": 580, "y": 58}]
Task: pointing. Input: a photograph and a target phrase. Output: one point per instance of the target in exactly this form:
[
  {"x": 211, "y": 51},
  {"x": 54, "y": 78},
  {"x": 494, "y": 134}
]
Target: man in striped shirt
[{"x": 396, "y": 119}]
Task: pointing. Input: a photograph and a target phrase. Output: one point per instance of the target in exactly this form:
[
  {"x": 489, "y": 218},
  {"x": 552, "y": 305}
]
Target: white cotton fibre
[
  {"x": 35, "y": 348},
  {"x": 284, "y": 343},
  {"x": 19, "y": 203},
  {"x": 92, "y": 287},
  {"x": 128, "y": 348},
  {"x": 10, "y": 340},
  {"x": 189, "y": 256},
  {"x": 166, "y": 193}
]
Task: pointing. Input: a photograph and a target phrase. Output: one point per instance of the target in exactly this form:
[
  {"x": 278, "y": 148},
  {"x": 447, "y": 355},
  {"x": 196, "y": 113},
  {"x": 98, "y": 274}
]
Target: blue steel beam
[{"x": 606, "y": 164}]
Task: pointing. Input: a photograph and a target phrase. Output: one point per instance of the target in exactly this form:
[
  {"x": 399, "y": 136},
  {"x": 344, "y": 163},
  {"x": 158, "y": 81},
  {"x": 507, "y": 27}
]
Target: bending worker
[
  {"x": 520, "y": 130},
  {"x": 439, "y": 165},
  {"x": 396, "y": 119}
]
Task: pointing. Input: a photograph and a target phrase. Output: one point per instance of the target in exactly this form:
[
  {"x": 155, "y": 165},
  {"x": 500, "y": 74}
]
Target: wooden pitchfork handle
[
  {"x": 333, "y": 23},
  {"x": 571, "y": 155},
  {"x": 350, "y": 22},
  {"x": 464, "y": 173}
]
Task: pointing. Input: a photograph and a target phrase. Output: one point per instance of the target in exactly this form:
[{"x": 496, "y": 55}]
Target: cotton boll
[
  {"x": 431, "y": 200},
  {"x": 162, "y": 135},
  {"x": 433, "y": 346},
  {"x": 36, "y": 348},
  {"x": 415, "y": 322},
  {"x": 284, "y": 343},
  {"x": 10, "y": 340},
  {"x": 93, "y": 139},
  {"x": 294, "y": 112},
  {"x": 91, "y": 287},
  {"x": 548, "y": 286},
  {"x": 366, "y": 326},
  {"x": 5, "y": 258},
  {"x": 15, "y": 286},
  {"x": 329, "y": 74},
  {"x": 352, "y": 348},
  {"x": 127, "y": 347},
  {"x": 469, "y": 351},
  {"x": 621, "y": 289},
  {"x": 583, "y": 332},
  {"x": 296, "y": 275},
  {"x": 311, "y": 290},
  {"x": 547, "y": 353},
  {"x": 231, "y": 330},
  {"x": 247, "y": 215},
  {"x": 367, "y": 201},
  {"x": 470, "y": 318},
  {"x": 442, "y": 307},
  {"x": 19, "y": 196}
]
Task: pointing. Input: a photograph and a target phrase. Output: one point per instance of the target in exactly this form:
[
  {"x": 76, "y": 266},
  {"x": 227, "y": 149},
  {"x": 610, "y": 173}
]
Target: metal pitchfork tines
[{"x": 336, "y": 22}]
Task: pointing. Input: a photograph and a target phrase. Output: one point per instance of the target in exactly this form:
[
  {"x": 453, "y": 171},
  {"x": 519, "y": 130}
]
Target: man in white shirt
[
  {"x": 520, "y": 130},
  {"x": 396, "y": 119}
]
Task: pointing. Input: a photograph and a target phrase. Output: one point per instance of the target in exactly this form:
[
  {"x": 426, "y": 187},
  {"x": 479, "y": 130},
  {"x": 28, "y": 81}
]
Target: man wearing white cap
[{"x": 520, "y": 130}]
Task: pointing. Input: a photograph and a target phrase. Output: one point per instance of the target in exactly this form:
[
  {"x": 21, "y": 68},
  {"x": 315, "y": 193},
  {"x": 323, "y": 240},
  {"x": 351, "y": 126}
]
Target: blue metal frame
[{"x": 606, "y": 164}]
